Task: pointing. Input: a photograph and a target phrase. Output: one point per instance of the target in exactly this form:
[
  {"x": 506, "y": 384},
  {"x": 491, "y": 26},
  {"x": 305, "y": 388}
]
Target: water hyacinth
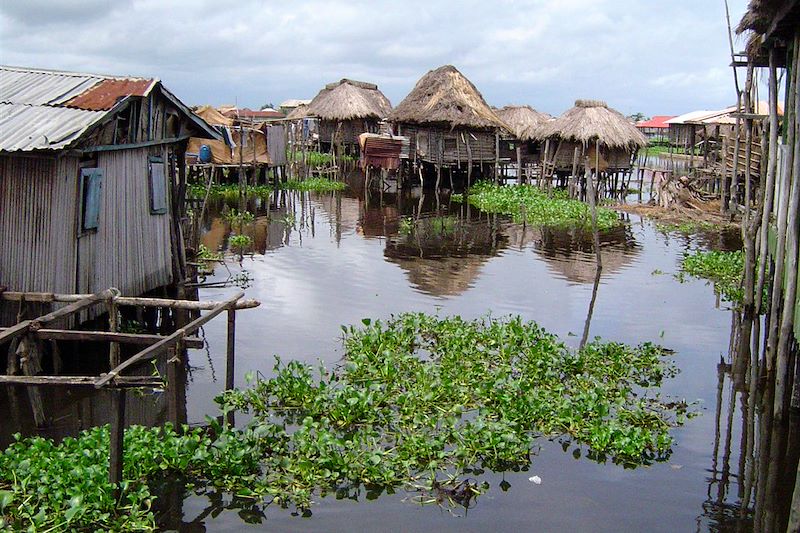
[
  {"x": 724, "y": 269},
  {"x": 419, "y": 402},
  {"x": 527, "y": 203}
]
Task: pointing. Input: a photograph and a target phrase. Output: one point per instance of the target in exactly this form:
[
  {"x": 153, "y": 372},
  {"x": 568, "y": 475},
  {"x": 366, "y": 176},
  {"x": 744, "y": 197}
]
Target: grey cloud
[{"x": 545, "y": 53}]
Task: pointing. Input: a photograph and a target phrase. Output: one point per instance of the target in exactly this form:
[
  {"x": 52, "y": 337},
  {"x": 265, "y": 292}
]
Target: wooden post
[
  {"x": 176, "y": 385},
  {"x": 469, "y": 162},
  {"x": 230, "y": 358},
  {"x": 574, "y": 176},
  {"x": 113, "y": 327},
  {"x": 116, "y": 448},
  {"x": 520, "y": 177},
  {"x": 496, "y": 157}
]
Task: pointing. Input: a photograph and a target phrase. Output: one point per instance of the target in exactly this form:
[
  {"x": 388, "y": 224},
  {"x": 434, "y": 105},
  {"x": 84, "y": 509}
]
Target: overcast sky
[{"x": 653, "y": 56}]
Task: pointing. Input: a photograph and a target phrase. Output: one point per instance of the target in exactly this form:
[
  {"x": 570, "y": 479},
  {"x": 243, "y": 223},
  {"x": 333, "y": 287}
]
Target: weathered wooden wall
[
  {"x": 350, "y": 129},
  {"x": 444, "y": 147},
  {"x": 613, "y": 159},
  {"x": 276, "y": 143}
]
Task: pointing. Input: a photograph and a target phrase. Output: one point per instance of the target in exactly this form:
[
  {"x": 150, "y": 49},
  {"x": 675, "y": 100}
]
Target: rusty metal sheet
[{"x": 105, "y": 94}]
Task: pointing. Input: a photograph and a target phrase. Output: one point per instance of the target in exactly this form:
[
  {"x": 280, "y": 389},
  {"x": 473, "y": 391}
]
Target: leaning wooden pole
[
  {"x": 790, "y": 292},
  {"x": 769, "y": 191}
]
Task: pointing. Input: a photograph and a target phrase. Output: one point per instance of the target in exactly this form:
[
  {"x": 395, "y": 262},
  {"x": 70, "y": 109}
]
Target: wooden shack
[
  {"x": 520, "y": 145},
  {"x": 91, "y": 182},
  {"x": 449, "y": 124},
  {"x": 345, "y": 110},
  {"x": 592, "y": 129}
]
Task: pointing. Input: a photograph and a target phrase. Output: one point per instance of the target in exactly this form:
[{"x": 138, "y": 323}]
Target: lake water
[{"x": 323, "y": 260}]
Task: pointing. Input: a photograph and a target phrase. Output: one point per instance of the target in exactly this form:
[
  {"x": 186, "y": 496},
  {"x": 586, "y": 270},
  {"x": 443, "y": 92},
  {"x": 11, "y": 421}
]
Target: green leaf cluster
[
  {"x": 531, "y": 204},
  {"x": 724, "y": 269}
]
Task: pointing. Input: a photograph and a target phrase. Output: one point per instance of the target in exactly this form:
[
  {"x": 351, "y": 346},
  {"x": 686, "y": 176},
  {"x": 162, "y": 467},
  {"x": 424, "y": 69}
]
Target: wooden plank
[
  {"x": 203, "y": 305},
  {"x": 72, "y": 308},
  {"x": 171, "y": 340},
  {"x": 107, "y": 336},
  {"x": 82, "y": 381},
  {"x": 9, "y": 333}
]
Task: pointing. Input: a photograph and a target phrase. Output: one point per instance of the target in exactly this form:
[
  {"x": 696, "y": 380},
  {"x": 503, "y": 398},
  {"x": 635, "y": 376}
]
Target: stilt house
[
  {"x": 345, "y": 110},
  {"x": 448, "y": 122},
  {"x": 91, "y": 182},
  {"x": 594, "y": 129},
  {"x": 521, "y": 146}
]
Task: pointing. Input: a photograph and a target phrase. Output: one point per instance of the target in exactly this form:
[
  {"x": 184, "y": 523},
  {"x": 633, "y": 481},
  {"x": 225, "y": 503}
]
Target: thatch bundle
[
  {"x": 445, "y": 98},
  {"x": 523, "y": 120},
  {"x": 349, "y": 100},
  {"x": 760, "y": 14},
  {"x": 593, "y": 121},
  {"x": 298, "y": 112}
]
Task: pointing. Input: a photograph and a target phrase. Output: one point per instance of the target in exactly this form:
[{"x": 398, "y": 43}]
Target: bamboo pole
[
  {"x": 769, "y": 192},
  {"x": 789, "y": 301}
]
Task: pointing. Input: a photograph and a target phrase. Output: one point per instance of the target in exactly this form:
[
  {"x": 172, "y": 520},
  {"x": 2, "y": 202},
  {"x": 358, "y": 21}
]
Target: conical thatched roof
[
  {"x": 298, "y": 112},
  {"x": 348, "y": 100},
  {"x": 523, "y": 120},
  {"x": 444, "y": 97},
  {"x": 591, "y": 121}
]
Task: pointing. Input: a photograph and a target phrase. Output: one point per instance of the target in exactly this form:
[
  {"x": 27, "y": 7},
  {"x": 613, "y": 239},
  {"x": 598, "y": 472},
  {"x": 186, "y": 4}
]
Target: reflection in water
[
  {"x": 751, "y": 482},
  {"x": 443, "y": 255}
]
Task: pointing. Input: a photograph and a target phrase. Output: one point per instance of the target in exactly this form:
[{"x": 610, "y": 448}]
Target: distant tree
[
  {"x": 638, "y": 117},
  {"x": 269, "y": 105}
]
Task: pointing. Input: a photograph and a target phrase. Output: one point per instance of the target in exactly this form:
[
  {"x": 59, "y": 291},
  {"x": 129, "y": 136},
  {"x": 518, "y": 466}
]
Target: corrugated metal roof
[
  {"x": 39, "y": 87},
  {"x": 107, "y": 92},
  {"x": 48, "y": 109},
  {"x": 39, "y": 109},
  {"x": 26, "y": 127},
  {"x": 696, "y": 116}
]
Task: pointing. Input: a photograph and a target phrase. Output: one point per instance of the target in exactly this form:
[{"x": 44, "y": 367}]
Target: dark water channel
[{"x": 328, "y": 259}]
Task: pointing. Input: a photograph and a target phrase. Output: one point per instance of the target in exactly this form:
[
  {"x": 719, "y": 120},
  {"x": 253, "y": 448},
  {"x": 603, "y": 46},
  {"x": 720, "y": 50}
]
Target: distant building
[
  {"x": 287, "y": 106},
  {"x": 655, "y": 128}
]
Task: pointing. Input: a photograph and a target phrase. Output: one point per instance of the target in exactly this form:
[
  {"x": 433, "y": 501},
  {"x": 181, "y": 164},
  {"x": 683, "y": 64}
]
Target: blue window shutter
[
  {"x": 91, "y": 186},
  {"x": 158, "y": 186}
]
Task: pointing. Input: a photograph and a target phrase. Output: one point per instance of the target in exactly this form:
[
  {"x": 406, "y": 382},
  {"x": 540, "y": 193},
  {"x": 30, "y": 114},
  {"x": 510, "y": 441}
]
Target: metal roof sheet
[
  {"x": 106, "y": 93},
  {"x": 48, "y": 109},
  {"x": 41, "y": 88},
  {"x": 26, "y": 127}
]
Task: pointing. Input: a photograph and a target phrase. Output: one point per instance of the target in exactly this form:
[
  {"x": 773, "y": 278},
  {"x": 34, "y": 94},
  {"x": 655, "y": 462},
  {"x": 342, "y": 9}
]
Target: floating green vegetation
[
  {"x": 427, "y": 400},
  {"x": 690, "y": 227},
  {"x": 228, "y": 192},
  {"x": 724, "y": 269},
  {"x": 320, "y": 159},
  {"x": 46, "y": 486},
  {"x": 314, "y": 184},
  {"x": 535, "y": 206},
  {"x": 419, "y": 402},
  {"x": 236, "y": 218},
  {"x": 240, "y": 244}
]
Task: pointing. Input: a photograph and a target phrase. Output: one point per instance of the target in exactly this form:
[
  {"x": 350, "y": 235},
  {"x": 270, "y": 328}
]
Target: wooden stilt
[{"x": 116, "y": 448}]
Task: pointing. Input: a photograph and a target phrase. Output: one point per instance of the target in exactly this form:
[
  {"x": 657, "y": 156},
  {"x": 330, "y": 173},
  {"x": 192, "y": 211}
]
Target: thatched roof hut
[
  {"x": 445, "y": 97},
  {"x": 523, "y": 121},
  {"x": 592, "y": 121},
  {"x": 349, "y": 100},
  {"x": 345, "y": 110}
]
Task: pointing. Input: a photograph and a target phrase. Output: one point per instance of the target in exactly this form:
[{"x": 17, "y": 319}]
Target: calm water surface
[{"x": 324, "y": 260}]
